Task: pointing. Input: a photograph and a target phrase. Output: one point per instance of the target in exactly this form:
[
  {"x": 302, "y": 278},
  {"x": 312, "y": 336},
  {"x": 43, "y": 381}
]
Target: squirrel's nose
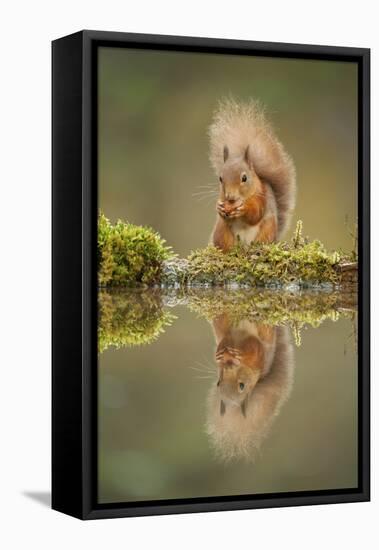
[{"x": 230, "y": 199}]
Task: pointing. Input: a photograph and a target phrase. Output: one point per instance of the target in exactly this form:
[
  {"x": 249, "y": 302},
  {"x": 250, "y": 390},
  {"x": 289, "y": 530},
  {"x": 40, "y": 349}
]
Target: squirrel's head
[
  {"x": 235, "y": 383},
  {"x": 238, "y": 179}
]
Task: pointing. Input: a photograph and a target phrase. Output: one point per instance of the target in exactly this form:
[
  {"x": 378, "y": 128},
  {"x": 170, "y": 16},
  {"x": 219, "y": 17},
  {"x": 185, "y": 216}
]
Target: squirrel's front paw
[
  {"x": 220, "y": 207},
  {"x": 237, "y": 212},
  {"x": 220, "y": 354}
]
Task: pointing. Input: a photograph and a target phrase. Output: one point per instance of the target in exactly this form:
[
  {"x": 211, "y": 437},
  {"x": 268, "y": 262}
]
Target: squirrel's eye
[
  {"x": 220, "y": 178},
  {"x": 241, "y": 385},
  {"x": 244, "y": 178}
]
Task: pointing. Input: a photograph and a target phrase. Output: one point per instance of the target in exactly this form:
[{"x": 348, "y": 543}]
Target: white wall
[{"x": 26, "y": 31}]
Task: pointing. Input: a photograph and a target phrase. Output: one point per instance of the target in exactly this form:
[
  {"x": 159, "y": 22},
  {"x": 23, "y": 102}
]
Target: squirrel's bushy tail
[{"x": 237, "y": 125}]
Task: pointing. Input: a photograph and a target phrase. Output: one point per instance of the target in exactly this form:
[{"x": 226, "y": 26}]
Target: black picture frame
[{"x": 74, "y": 291}]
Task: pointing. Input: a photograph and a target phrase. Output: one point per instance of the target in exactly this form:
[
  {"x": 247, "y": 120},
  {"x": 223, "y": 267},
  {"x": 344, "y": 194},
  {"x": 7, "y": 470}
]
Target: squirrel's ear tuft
[
  {"x": 226, "y": 153},
  {"x": 246, "y": 156},
  {"x": 222, "y": 408}
]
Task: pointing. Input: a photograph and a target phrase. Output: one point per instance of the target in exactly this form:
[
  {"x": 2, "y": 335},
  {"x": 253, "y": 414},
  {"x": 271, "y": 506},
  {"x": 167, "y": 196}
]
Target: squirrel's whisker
[
  {"x": 205, "y": 191},
  {"x": 203, "y": 369},
  {"x": 205, "y": 194},
  {"x": 205, "y": 366},
  {"x": 208, "y": 186},
  {"x": 209, "y": 199},
  {"x": 208, "y": 362}
]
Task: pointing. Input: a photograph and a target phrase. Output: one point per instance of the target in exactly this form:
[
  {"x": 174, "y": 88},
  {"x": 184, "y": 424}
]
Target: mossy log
[
  {"x": 132, "y": 256},
  {"x": 234, "y": 274}
]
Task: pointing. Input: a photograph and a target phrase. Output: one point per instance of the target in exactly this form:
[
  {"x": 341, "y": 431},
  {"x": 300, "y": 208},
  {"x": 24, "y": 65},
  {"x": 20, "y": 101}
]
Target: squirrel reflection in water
[{"x": 255, "y": 376}]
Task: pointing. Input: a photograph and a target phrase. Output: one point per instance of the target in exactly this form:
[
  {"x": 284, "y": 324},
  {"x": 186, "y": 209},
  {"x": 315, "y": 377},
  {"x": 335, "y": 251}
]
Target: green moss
[
  {"x": 265, "y": 264},
  {"x": 132, "y": 255},
  {"x": 130, "y": 318},
  {"x": 129, "y": 254}
]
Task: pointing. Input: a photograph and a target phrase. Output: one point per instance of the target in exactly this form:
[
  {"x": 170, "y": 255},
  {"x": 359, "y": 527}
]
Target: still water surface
[{"x": 224, "y": 395}]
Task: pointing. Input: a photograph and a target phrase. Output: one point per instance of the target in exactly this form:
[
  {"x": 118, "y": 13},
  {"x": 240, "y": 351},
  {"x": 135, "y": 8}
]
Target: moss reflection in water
[{"x": 132, "y": 317}]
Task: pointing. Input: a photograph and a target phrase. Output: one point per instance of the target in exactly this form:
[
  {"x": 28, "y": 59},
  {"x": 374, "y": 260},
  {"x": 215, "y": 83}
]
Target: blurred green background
[{"x": 154, "y": 111}]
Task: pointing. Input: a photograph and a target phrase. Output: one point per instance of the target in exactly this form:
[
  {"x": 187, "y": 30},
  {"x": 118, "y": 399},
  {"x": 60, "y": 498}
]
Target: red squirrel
[
  {"x": 255, "y": 369},
  {"x": 244, "y": 356},
  {"x": 256, "y": 175}
]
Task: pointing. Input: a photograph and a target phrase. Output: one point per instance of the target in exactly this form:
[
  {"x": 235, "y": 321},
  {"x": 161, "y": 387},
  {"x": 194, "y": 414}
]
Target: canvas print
[{"x": 227, "y": 275}]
